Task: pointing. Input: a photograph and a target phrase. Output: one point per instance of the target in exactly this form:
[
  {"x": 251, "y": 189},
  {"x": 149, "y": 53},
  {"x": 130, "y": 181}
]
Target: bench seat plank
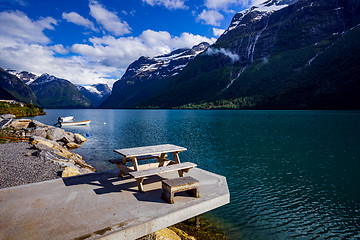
[
  {"x": 169, "y": 168},
  {"x": 114, "y": 161}
]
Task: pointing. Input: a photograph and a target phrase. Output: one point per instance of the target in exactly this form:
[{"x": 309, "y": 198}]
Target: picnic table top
[{"x": 149, "y": 150}]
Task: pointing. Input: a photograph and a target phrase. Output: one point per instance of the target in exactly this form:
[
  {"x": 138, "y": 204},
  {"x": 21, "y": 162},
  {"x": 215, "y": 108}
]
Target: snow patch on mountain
[
  {"x": 46, "y": 78},
  {"x": 163, "y": 66},
  {"x": 261, "y": 10},
  {"x": 25, "y": 76}
]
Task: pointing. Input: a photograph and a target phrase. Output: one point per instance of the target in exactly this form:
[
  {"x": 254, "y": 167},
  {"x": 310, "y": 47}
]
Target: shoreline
[
  {"x": 31, "y": 151},
  {"x": 29, "y": 158}
]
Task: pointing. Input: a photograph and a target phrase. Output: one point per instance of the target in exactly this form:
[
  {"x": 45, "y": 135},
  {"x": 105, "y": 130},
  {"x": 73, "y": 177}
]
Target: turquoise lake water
[{"x": 291, "y": 174}]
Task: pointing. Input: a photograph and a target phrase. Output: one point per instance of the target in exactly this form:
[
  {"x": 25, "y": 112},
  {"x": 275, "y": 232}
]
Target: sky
[{"x": 94, "y": 41}]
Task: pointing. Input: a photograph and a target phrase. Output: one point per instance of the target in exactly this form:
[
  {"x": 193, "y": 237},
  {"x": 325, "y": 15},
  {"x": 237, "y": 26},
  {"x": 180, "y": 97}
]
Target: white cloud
[
  {"x": 170, "y": 4},
  {"x": 217, "y": 32},
  {"x": 24, "y": 46},
  {"x": 109, "y": 20},
  {"x": 17, "y": 25},
  {"x": 59, "y": 48},
  {"x": 210, "y": 17},
  {"x": 220, "y": 4},
  {"x": 227, "y": 4},
  {"x": 120, "y": 52},
  {"x": 214, "y": 51},
  {"x": 77, "y": 19}
]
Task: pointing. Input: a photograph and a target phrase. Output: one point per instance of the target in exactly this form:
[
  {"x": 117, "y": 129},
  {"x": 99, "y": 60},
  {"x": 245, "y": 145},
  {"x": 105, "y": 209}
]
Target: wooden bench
[
  {"x": 172, "y": 186},
  {"x": 180, "y": 167}
]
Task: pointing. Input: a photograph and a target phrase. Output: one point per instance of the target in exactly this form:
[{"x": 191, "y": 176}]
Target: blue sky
[{"x": 92, "y": 41}]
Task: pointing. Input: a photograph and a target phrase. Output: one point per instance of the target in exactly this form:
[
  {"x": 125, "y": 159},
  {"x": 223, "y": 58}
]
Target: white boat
[
  {"x": 86, "y": 122},
  {"x": 67, "y": 119}
]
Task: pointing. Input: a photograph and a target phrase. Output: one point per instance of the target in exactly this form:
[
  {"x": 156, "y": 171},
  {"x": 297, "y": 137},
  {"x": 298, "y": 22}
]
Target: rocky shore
[
  {"x": 31, "y": 151},
  {"x": 34, "y": 152}
]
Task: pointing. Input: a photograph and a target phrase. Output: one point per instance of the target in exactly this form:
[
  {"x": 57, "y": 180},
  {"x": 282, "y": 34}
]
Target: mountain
[
  {"x": 25, "y": 76},
  {"x": 53, "y": 92},
  {"x": 147, "y": 76},
  {"x": 96, "y": 93},
  {"x": 281, "y": 54},
  {"x": 11, "y": 87}
]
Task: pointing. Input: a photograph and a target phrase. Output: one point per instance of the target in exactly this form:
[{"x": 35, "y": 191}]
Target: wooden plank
[
  {"x": 180, "y": 181},
  {"x": 149, "y": 150},
  {"x": 129, "y": 159},
  {"x": 169, "y": 168}
]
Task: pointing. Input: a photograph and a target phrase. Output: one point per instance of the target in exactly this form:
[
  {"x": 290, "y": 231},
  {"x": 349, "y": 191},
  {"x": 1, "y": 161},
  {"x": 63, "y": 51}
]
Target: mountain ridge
[
  {"x": 273, "y": 52},
  {"x": 147, "y": 76}
]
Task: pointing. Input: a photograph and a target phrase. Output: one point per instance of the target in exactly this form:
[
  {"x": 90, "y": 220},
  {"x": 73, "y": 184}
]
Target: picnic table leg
[
  {"x": 121, "y": 174},
  {"x": 161, "y": 159},
  {"x": 177, "y": 160},
  {"x": 139, "y": 182}
]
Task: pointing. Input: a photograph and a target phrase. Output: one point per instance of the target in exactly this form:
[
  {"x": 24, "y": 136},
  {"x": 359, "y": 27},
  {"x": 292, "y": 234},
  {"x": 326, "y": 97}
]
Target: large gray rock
[
  {"x": 68, "y": 138},
  {"x": 38, "y": 132},
  {"x": 56, "y": 134},
  {"x": 7, "y": 116},
  {"x": 37, "y": 124}
]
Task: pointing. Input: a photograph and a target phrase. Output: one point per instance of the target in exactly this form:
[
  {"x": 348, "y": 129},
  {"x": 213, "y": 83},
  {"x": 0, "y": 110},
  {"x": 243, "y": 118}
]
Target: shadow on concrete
[
  {"x": 150, "y": 196},
  {"x": 110, "y": 182}
]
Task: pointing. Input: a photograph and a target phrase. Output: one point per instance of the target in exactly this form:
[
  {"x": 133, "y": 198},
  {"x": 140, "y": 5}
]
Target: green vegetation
[
  {"x": 237, "y": 103},
  {"x": 20, "y": 111},
  {"x": 11, "y": 135}
]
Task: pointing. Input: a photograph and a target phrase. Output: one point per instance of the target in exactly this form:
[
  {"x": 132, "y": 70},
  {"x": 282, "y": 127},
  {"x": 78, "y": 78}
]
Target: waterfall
[
  {"x": 251, "y": 46},
  {"x": 237, "y": 76}
]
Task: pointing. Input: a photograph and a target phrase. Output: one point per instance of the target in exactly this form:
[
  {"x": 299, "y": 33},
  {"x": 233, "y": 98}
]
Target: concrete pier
[{"x": 102, "y": 206}]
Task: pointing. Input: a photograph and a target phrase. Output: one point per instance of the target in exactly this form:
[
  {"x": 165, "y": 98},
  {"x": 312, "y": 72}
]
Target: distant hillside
[
  {"x": 147, "y": 76},
  {"x": 96, "y": 93},
  {"x": 11, "y": 87},
  {"x": 53, "y": 92}
]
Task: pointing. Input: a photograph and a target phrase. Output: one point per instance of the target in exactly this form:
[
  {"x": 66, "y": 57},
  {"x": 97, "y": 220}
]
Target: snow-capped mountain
[
  {"x": 96, "y": 93},
  {"x": 27, "y": 77},
  {"x": 146, "y": 76},
  {"x": 53, "y": 92},
  {"x": 280, "y": 54},
  {"x": 162, "y": 66}
]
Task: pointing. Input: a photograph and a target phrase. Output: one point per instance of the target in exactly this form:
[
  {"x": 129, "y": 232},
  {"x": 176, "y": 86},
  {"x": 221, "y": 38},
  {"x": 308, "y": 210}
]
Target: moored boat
[
  {"x": 67, "y": 119},
  {"x": 86, "y": 122}
]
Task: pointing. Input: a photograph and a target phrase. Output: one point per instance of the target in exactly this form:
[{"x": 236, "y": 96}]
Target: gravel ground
[{"x": 18, "y": 166}]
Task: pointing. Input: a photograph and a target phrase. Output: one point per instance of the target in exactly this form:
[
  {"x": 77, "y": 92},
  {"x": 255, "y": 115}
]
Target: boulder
[
  {"x": 72, "y": 145},
  {"x": 56, "y": 134},
  {"x": 68, "y": 138},
  {"x": 7, "y": 116},
  {"x": 37, "y": 124},
  {"x": 79, "y": 139},
  {"x": 70, "y": 171},
  {"x": 20, "y": 123},
  {"x": 166, "y": 234},
  {"x": 38, "y": 133}
]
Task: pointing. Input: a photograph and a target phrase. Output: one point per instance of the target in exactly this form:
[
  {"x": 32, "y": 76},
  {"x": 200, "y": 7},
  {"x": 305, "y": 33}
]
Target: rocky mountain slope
[
  {"x": 147, "y": 76},
  {"x": 96, "y": 93},
  {"x": 25, "y": 76},
  {"x": 13, "y": 88},
  {"x": 282, "y": 54},
  {"x": 53, "y": 92}
]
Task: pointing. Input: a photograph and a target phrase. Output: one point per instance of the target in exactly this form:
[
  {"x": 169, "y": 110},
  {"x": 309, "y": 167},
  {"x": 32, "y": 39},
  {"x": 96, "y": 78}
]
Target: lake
[{"x": 291, "y": 174}]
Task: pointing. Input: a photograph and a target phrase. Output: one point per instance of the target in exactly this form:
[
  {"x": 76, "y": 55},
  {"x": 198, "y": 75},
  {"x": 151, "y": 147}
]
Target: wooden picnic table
[{"x": 157, "y": 152}]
